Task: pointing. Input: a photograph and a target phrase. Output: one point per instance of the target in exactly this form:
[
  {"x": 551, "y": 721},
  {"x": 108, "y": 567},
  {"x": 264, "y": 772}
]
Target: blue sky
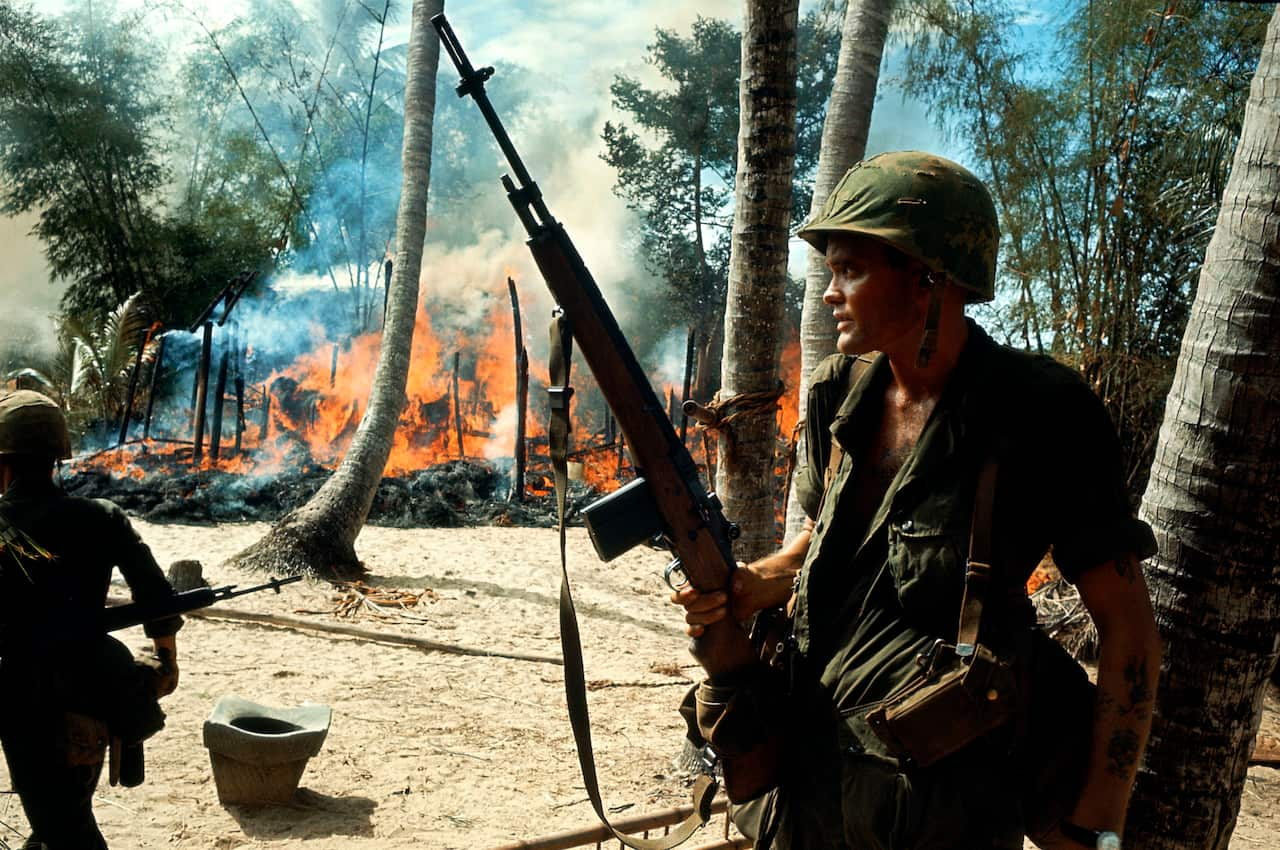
[{"x": 575, "y": 48}]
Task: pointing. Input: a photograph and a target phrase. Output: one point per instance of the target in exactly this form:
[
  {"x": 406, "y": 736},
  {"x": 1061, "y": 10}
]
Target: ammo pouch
[
  {"x": 964, "y": 691},
  {"x": 954, "y": 702}
]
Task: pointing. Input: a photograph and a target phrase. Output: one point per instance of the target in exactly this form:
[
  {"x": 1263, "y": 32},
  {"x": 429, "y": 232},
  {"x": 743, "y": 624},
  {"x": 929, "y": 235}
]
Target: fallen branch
[{"x": 281, "y": 621}]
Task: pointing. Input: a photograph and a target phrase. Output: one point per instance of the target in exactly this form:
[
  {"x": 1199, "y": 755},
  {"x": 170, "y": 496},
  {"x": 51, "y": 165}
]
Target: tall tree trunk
[
  {"x": 1214, "y": 501},
  {"x": 319, "y": 537},
  {"x": 758, "y": 268},
  {"x": 844, "y": 142}
]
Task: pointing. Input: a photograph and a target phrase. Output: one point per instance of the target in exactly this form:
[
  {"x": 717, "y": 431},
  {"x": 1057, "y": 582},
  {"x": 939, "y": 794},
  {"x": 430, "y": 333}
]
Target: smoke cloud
[{"x": 28, "y": 297}]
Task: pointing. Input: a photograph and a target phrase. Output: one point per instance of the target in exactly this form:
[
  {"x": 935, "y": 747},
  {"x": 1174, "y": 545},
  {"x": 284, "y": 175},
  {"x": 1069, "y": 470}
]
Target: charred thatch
[{"x": 455, "y": 494}]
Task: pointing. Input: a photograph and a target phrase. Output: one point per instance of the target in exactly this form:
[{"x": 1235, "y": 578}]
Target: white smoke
[{"x": 27, "y": 294}]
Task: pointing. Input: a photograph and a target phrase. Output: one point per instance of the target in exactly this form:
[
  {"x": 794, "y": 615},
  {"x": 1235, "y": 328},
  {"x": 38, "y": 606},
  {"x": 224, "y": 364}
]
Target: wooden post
[
  {"x": 457, "y": 404},
  {"x": 386, "y": 287},
  {"x": 333, "y": 365},
  {"x": 239, "y": 364},
  {"x": 689, "y": 352},
  {"x": 219, "y": 402},
  {"x": 522, "y": 397},
  {"x": 151, "y": 392},
  {"x": 133, "y": 388},
  {"x": 202, "y": 391},
  {"x": 266, "y": 416}
]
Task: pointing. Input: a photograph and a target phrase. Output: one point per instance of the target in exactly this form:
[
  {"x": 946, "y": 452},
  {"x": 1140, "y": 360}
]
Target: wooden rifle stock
[{"x": 689, "y": 519}]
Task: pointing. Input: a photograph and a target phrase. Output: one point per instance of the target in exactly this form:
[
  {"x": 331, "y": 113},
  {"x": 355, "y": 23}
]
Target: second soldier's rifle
[
  {"x": 137, "y": 613},
  {"x": 667, "y": 503}
]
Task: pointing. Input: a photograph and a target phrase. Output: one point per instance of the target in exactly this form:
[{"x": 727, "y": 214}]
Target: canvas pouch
[{"x": 952, "y": 703}]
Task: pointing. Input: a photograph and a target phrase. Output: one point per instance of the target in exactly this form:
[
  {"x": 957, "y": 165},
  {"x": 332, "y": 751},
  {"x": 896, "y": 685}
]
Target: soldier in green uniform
[
  {"x": 68, "y": 687},
  {"x": 917, "y": 400}
]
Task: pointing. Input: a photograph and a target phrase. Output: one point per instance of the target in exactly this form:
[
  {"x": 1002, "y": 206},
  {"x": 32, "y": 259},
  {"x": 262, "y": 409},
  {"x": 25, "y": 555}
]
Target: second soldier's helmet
[
  {"x": 928, "y": 207},
  {"x": 33, "y": 424}
]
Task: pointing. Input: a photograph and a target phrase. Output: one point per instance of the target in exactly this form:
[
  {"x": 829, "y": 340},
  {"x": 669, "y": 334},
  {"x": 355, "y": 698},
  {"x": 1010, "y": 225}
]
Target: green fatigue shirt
[
  {"x": 62, "y": 599},
  {"x": 870, "y": 599},
  {"x": 53, "y": 649}
]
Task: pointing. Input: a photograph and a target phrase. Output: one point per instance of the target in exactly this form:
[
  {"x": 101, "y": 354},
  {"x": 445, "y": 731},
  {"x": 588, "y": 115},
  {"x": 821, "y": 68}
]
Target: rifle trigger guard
[{"x": 675, "y": 568}]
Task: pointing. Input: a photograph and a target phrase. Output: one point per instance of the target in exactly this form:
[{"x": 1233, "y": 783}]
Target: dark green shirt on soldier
[{"x": 874, "y": 594}]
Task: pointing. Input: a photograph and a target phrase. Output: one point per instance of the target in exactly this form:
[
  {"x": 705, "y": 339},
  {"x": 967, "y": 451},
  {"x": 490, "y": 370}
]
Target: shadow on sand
[{"x": 309, "y": 815}]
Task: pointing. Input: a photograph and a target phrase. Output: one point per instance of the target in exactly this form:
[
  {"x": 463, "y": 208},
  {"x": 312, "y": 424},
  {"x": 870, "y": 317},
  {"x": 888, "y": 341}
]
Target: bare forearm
[{"x": 1128, "y": 668}]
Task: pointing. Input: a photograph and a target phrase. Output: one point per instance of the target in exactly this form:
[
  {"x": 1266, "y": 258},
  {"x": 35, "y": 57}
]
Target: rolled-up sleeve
[
  {"x": 1091, "y": 520},
  {"x": 147, "y": 582}
]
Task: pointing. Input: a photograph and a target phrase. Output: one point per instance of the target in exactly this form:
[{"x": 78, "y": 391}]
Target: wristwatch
[{"x": 1093, "y": 838}]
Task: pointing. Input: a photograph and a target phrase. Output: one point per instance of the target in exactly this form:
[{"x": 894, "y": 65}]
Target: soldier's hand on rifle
[
  {"x": 167, "y": 652},
  {"x": 701, "y": 609}
]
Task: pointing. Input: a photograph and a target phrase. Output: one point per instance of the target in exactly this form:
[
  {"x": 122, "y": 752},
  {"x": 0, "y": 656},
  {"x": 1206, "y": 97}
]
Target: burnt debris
[{"x": 454, "y": 494}]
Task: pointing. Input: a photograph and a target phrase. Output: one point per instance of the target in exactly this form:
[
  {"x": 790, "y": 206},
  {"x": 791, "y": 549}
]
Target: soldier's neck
[{"x": 913, "y": 385}]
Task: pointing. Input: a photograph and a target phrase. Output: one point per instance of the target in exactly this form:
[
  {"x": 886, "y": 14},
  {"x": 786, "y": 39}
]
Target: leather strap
[
  {"x": 978, "y": 570},
  {"x": 575, "y": 685}
]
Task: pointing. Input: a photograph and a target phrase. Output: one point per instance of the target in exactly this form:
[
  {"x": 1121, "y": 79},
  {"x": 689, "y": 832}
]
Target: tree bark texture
[
  {"x": 1214, "y": 502},
  {"x": 844, "y": 142},
  {"x": 319, "y": 537},
  {"x": 758, "y": 269}
]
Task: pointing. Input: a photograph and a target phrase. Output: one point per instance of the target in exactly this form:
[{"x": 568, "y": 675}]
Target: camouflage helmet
[
  {"x": 925, "y": 206},
  {"x": 33, "y": 424}
]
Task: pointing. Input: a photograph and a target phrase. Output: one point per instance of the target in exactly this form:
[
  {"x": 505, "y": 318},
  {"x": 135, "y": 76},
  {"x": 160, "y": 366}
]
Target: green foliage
[
  {"x": 88, "y": 372},
  {"x": 676, "y": 165},
  {"x": 1107, "y": 161},
  {"x": 77, "y": 146},
  {"x": 296, "y": 125},
  {"x": 81, "y": 123}
]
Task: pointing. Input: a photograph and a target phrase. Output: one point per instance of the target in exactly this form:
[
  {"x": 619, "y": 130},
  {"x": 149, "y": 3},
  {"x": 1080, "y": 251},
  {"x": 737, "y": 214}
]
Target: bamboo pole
[
  {"x": 522, "y": 397},
  {"x": 202, "y": 391},
  {"x": 133, "y": 388},
  {"x": 266, "y": 416},
  {"x": 299, "y": 624},
  {"x": 457, "y": 404},
  {"x": 151, "y": 392},
  {"x": 591, "y": 835},
  {"x": 239, "y": 385},
  {"x": 690, "y": 352},
  {"x": 219, "y": 402},
  {"x": 386, "y": 287}
]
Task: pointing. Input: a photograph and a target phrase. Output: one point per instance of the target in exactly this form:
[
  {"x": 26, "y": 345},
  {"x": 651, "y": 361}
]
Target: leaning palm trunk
[
  {"x": 758, "y": 270},
  {"x": 844, "y": 142},
  {"x": 319, "y": 537},
  {"x": 1214, "y": 502}
]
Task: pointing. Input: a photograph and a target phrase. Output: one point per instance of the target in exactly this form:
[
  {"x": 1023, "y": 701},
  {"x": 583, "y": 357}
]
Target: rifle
[
  {"x": 137, "y": 613},
  {"x": 665, "y": 505},
  {"x": 667, "y": 502}
]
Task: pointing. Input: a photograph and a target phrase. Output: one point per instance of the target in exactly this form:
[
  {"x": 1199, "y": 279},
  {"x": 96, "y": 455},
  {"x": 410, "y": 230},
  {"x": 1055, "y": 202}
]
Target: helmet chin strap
[{"x": 929, "y": 342}]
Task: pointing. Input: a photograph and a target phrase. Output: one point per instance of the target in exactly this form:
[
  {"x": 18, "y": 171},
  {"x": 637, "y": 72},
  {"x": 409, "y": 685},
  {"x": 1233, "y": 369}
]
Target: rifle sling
[
  {"x": 575, "y": 686},
  {"x": 978, "y": 568}
]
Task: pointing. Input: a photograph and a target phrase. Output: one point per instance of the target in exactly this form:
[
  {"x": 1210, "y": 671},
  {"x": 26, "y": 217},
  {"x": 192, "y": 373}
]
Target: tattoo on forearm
[
  {"x": 1138, "y": 679},
  {"x": 1126, "y": 567},
  {"x": 1122, "y": 753}
]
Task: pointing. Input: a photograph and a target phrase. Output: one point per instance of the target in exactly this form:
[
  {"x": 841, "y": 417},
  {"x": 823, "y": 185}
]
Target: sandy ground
[{"x": 433, "y": 749}]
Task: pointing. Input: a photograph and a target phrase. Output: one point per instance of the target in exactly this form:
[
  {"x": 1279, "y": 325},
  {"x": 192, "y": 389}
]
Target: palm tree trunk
[
  {"x": 844, "y": 142},
  {"x": 1213, "y": 500},
  {"x": 758, "y": 268},
  {"x": 319, "y": 537}
]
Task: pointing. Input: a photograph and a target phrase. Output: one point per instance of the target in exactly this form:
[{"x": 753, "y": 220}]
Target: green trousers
[{"x": 843, "y": 792}]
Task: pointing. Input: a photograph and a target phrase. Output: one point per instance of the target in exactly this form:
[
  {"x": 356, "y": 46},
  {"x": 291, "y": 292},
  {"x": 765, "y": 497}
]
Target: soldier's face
[{"x": 877, "y": 305}]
